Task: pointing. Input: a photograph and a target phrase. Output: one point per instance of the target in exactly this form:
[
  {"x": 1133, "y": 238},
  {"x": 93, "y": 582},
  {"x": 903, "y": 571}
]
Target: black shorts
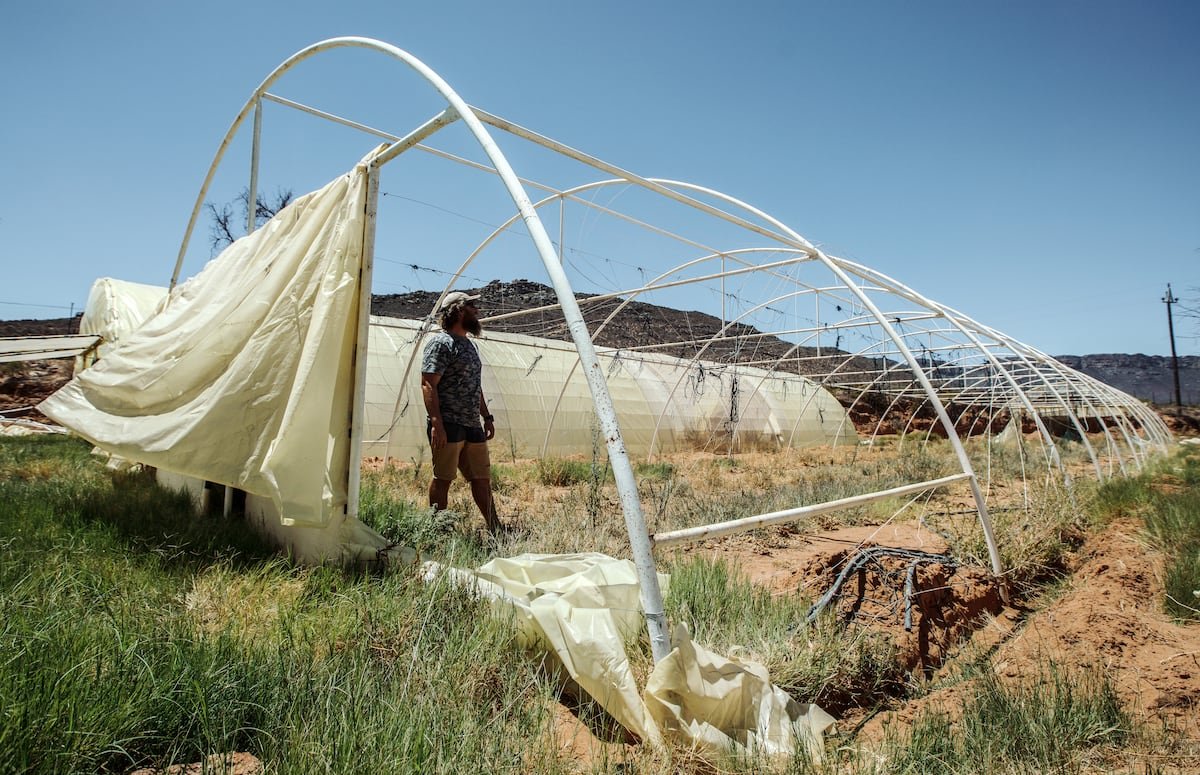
[{"x": 455, "y": 432}]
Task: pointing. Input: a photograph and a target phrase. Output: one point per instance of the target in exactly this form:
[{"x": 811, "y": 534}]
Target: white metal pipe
[
  {"x": 651, "y": 184},
  {"x": 255, "y": 150},
  {"x": 362, "y": 339},
  {"x": 688, "y": 535},
  {"x": 654, "y": 286},
  {"x": 643, "y": 556},
  {"x": 445, "y": 118},
  {"x": 330, "y": 117}
]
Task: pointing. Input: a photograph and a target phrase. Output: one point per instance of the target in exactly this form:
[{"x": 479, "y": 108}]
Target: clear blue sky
[{"x": 1033, "y": 164}]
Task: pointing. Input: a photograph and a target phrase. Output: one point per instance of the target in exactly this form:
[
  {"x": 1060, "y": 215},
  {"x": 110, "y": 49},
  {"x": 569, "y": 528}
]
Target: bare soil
[{"x": 1107, "y": 618}]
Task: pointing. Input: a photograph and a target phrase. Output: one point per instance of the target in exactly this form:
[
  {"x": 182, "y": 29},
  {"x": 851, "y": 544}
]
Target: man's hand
[
  {"x": 489, "y": 429},
  {"x": 437, "y": 435}
]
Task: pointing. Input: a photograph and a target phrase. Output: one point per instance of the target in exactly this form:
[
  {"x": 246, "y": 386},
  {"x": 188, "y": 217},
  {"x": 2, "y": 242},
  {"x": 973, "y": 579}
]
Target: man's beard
[{"x": 473, "y": 326}]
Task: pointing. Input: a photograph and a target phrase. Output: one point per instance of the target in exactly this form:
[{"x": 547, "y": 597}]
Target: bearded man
[{"x": 454, "y": 404}]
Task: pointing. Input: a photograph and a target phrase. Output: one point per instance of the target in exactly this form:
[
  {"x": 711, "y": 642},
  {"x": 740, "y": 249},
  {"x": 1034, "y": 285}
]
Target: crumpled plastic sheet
[{"x": 585, "y": 608}]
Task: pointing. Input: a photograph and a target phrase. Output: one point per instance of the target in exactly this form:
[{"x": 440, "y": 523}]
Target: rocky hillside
[{"x": 1145, "y": 376}]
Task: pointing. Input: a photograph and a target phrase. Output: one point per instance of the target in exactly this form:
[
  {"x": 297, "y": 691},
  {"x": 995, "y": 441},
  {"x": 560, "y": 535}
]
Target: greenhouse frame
[{"x": 805, "y": 345}]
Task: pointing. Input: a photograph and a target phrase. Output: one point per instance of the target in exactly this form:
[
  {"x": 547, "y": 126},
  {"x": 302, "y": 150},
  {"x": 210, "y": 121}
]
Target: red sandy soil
[
  {"x": 1109, "y": 619},
  {"x": 25, "y": 384},
  {"x": 949, "y": 602}
]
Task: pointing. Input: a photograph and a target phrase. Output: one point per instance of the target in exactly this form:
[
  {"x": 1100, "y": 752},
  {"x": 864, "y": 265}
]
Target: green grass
[
  {"x": 1167, "y": 500},
  {"x": 137, "y": 634},
  {"x": 1173, "y": 523},
  {"x": 826, "y": 663},
  {"x": 562, "y": 472},
  {"x": 1057, "y": 722},
  {"x": 658, "y": 471}
]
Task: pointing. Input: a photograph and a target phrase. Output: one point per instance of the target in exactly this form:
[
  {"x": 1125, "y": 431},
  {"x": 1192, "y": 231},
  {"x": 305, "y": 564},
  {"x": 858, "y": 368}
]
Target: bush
[{"x": 560, "y": 472}]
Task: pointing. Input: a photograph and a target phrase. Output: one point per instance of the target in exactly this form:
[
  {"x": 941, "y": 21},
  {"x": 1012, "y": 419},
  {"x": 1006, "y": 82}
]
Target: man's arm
[
  {"x": 489, "y": 424},
  {"x": 433, "y": 408}
]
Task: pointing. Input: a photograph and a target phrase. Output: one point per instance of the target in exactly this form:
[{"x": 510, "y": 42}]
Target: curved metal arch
[
  {"x": 868, "y": 304},
  {"x": 622, "y": 470},
  {"x": 950, "y": 315}
]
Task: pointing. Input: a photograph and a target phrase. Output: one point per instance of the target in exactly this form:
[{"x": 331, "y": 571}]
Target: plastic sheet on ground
[
  {"x": 244, "y": 376},
  {"x": 585, "y": 608},
  {"x": 718, "y": 703},
  {"x": 20, "y": 427}
]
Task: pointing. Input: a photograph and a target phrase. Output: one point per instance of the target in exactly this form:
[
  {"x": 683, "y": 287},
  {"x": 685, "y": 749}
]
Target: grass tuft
[{"x": 1057, "y": 722}]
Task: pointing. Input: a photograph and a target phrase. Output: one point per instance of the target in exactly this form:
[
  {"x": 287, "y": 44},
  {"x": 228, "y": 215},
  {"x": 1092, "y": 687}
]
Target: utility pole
[{"x": 1170, "y": 299}]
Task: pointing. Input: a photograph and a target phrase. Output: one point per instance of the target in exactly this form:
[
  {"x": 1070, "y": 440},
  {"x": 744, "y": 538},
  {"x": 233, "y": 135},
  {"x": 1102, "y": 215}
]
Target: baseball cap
[{"x": 455, "y": 299}]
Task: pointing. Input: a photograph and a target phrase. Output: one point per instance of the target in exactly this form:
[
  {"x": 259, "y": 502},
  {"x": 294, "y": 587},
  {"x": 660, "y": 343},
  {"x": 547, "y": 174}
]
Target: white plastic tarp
[
  {"x": 717, "y": 703},
  {"x": 115, "y": 308},
  {"x": 584, "y": 609},
  {"x": 244, "y": 377}
]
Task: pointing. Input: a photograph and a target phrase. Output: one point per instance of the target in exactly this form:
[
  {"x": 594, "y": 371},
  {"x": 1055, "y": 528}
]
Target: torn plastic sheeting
[
  {"x": 718, "y": 703},
  {"x": 585, "y": 608},
  {"x": 244, "y": 376},
  {"x": 581, "y": 608}
]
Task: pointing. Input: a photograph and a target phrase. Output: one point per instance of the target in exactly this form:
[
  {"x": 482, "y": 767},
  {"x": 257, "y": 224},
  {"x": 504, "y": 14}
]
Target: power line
[{"x": 42, "y": 306}]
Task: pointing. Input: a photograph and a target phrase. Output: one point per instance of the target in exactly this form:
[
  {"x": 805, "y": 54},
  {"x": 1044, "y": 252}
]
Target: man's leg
[
  {"x": 439, "y": 493},
  {"x": 445, "y": 468},
  {"x": 476, "y": 467},
  {"x": 481, "y": 491}
]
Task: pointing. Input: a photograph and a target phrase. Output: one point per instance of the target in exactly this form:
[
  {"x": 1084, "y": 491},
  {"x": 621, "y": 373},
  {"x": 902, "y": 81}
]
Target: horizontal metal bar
[
  {"x": 445, "y": 118},
  {"x": 30, "y": 348},
  {"x": 329, "y": 116},
  {"x": 776, "y": 517},
  {"x": 566, "y": 150}
]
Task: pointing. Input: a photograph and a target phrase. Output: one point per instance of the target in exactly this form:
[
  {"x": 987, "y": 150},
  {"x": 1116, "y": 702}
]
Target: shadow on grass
[{"x": 52, "y": 490}]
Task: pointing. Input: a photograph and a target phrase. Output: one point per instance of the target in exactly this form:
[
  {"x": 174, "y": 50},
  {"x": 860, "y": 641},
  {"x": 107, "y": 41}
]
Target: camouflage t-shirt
[{"x": 457, "y": 360}]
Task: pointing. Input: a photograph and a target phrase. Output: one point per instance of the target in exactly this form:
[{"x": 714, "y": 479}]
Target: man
[{"x": 454, "y": 404}]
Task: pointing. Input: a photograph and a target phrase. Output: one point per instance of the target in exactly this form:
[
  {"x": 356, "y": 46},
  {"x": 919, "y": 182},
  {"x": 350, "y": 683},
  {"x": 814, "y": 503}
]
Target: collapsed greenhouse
[{"x": 267, "y": 374}]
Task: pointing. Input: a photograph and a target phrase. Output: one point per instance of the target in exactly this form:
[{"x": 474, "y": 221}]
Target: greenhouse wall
[{"x": 542, "y": 405}]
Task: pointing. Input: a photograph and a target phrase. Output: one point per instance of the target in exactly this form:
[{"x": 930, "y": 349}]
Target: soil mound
[{"x": 1109, "y": 620}]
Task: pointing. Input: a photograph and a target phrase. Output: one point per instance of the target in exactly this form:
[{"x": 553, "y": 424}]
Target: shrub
[{"x": 560, "y": 472}]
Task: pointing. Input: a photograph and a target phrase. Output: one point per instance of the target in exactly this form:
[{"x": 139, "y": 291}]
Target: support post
[
  {"x": 1170, "y": 299},
  {"x": 252, "y": 192},
  {"x": 358, "y": 402}
]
